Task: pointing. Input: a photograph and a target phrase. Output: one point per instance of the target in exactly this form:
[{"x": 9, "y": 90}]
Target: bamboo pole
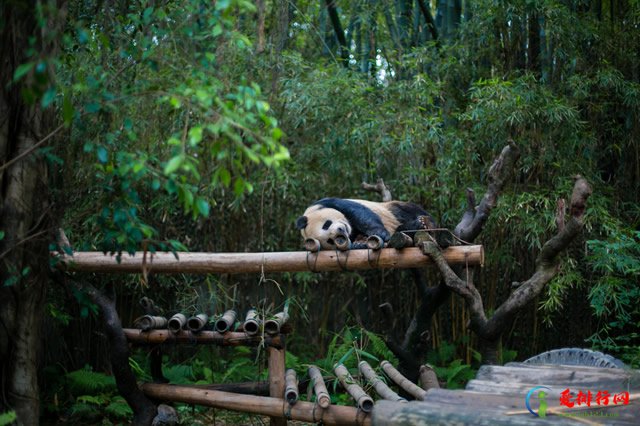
[
  {"x": 262, "y": 405},
  {"x": 275, "y": 362},
  {"x": 295, "y": 261},
  {"x": 364, "y": 401},
  {"x": 226, "y": 321},
  {"x": 177, "y": 322},
  {"x": 251, "y": 324},
  {"x": 230, "y": 338},
  {"x": 319, "y": 388},
  {"x": 410, "y": 387},
  {"x": 272, "y": 325},
  {"x": 291, "y": 386},
  {"x": 381, "y": 387}
]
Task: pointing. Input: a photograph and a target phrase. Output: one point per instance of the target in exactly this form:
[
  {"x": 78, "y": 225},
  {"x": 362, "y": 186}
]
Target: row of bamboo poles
[{"x": 197, "y": 323}]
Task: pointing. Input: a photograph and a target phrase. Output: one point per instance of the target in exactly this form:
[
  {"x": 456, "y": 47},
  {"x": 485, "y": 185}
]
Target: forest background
[{"x": 210, "y": 126}]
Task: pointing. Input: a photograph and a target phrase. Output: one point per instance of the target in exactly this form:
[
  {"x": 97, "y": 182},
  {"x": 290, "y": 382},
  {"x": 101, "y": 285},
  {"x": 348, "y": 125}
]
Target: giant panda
[{"x": 330, "y": 218}]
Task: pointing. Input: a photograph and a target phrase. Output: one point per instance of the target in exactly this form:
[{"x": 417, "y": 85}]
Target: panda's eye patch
[{"x": 327, "y": 225}]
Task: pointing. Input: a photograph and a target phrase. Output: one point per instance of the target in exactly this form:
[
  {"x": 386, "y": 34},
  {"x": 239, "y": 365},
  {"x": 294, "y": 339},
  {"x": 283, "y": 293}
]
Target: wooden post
[{"x": 276, "y": 380}]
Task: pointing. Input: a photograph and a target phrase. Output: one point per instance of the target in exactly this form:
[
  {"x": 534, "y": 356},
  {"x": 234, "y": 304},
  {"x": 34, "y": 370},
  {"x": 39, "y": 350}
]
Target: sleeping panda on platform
[{"x": 332, "y": 218}]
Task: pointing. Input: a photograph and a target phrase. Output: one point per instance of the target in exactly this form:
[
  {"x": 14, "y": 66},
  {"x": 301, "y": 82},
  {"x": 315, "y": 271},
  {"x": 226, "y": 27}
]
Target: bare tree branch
[{"x": 380, "y": 188}]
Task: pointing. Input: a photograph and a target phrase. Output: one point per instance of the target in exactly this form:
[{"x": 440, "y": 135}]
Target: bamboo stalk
[
  {"x": 296, "y": 261},
  {"x": 319, "y": 388},
  {"x": 262, "y": 405},
  {"x": 204, "y": 337},
  {"x": 381, "y": 387},
  {"x": 364, "y": 401},
  {"x": 408, "y": 386},
  {"x": 291, "y": 386}
]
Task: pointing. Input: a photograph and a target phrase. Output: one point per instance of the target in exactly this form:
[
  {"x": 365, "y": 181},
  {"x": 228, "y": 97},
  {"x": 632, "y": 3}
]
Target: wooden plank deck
[{"x": 497, "y": 397}]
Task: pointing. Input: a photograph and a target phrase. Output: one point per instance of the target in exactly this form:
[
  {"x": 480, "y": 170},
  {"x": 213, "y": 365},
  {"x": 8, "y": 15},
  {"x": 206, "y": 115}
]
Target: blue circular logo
[{"x": 542, "y": 399}]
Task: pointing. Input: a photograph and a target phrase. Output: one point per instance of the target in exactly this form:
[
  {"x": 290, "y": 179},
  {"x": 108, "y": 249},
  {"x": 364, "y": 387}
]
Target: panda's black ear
[{"x": 301, "y": 222}]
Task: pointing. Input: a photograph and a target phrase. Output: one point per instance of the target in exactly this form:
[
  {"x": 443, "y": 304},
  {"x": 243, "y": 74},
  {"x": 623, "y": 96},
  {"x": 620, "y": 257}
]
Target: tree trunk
[{"x": 23, "y": 207}]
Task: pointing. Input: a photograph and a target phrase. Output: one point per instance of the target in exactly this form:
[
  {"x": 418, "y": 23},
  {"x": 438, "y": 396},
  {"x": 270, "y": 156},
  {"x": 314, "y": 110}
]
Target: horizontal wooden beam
[
  {"x": 262, "y": 405},
  {"x": 230, "y": 338},
  {"x": 236, "y": 263}
]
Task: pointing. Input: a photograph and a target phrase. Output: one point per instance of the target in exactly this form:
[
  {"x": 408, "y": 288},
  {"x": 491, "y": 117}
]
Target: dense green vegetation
[{"x": 210, "y": 126}]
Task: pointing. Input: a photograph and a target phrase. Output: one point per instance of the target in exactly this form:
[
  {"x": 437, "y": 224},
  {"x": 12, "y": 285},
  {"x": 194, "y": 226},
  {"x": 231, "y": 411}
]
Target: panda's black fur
[{"x": 328, "y": 218}]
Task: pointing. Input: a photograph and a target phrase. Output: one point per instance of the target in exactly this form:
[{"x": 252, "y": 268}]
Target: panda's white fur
[{"x": 329, "y": 218}]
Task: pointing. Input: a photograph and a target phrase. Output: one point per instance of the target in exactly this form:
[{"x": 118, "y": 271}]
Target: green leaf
[
  {"x": 22, "y": 70},
  {"x": 48, "y": 97},
  {"x": 203, "y": 206},
  {"x": 173, "y": 164},
  {"x": 2, "y": 235},
  {"x": 103, "y": 155},
  {"x": 155, "y": 185},
  {"x": 195, "y": 135}
]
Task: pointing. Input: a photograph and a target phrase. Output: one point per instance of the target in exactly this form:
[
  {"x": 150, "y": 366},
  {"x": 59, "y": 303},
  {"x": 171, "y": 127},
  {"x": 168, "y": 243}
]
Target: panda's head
[{"x": 324, "y": 224}]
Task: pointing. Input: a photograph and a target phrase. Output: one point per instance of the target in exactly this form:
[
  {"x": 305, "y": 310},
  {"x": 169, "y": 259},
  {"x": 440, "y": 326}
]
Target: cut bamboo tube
[
  {"x": 197, "y": 323},
  {"x": 296, "y": 261},
  {"x": 177, "y": 322},
  {"x": 226, "y": 321},
  {"x": 262, "y": 405},
  {"x": 150, "y": 322},
  {"x": 291, "y": 386},
  {"x": 230, "y": 338},
  {"x": 363, "y": 400},
  {"x": 428, "y": 378},
  {"x": 251, "y": 324},
  {"x": 406, "y": 384},
  {"x": 381, "y": 387},
  {"x": 272, "y": 325},
  {"x": 319, "y": 388}
]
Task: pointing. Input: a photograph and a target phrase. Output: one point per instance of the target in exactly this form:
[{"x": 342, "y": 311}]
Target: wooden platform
[{"x": 497, "y": 397}]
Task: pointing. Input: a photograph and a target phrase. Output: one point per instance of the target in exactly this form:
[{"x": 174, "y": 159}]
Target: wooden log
[
  {"x": 276, "y": 380},
  {"x": 231, "y": 338},
  {"x": 291, "y": 386},
  {"x": 177, "y": 322},
  {"x": 226, "y": 321},
  {"x": 408, "y": 386},
  {"x": 319, "y": 388},
  {"x": 364, "y": 401},
  {"x": 251, "y": 324},
  {"x": 267, "y": 406},
  {"x": 274, "y": 324},
  {"x": 381, "y": 387},
  {"x": 428, "y": 378},
  {"x": 235, "y": 263}
]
